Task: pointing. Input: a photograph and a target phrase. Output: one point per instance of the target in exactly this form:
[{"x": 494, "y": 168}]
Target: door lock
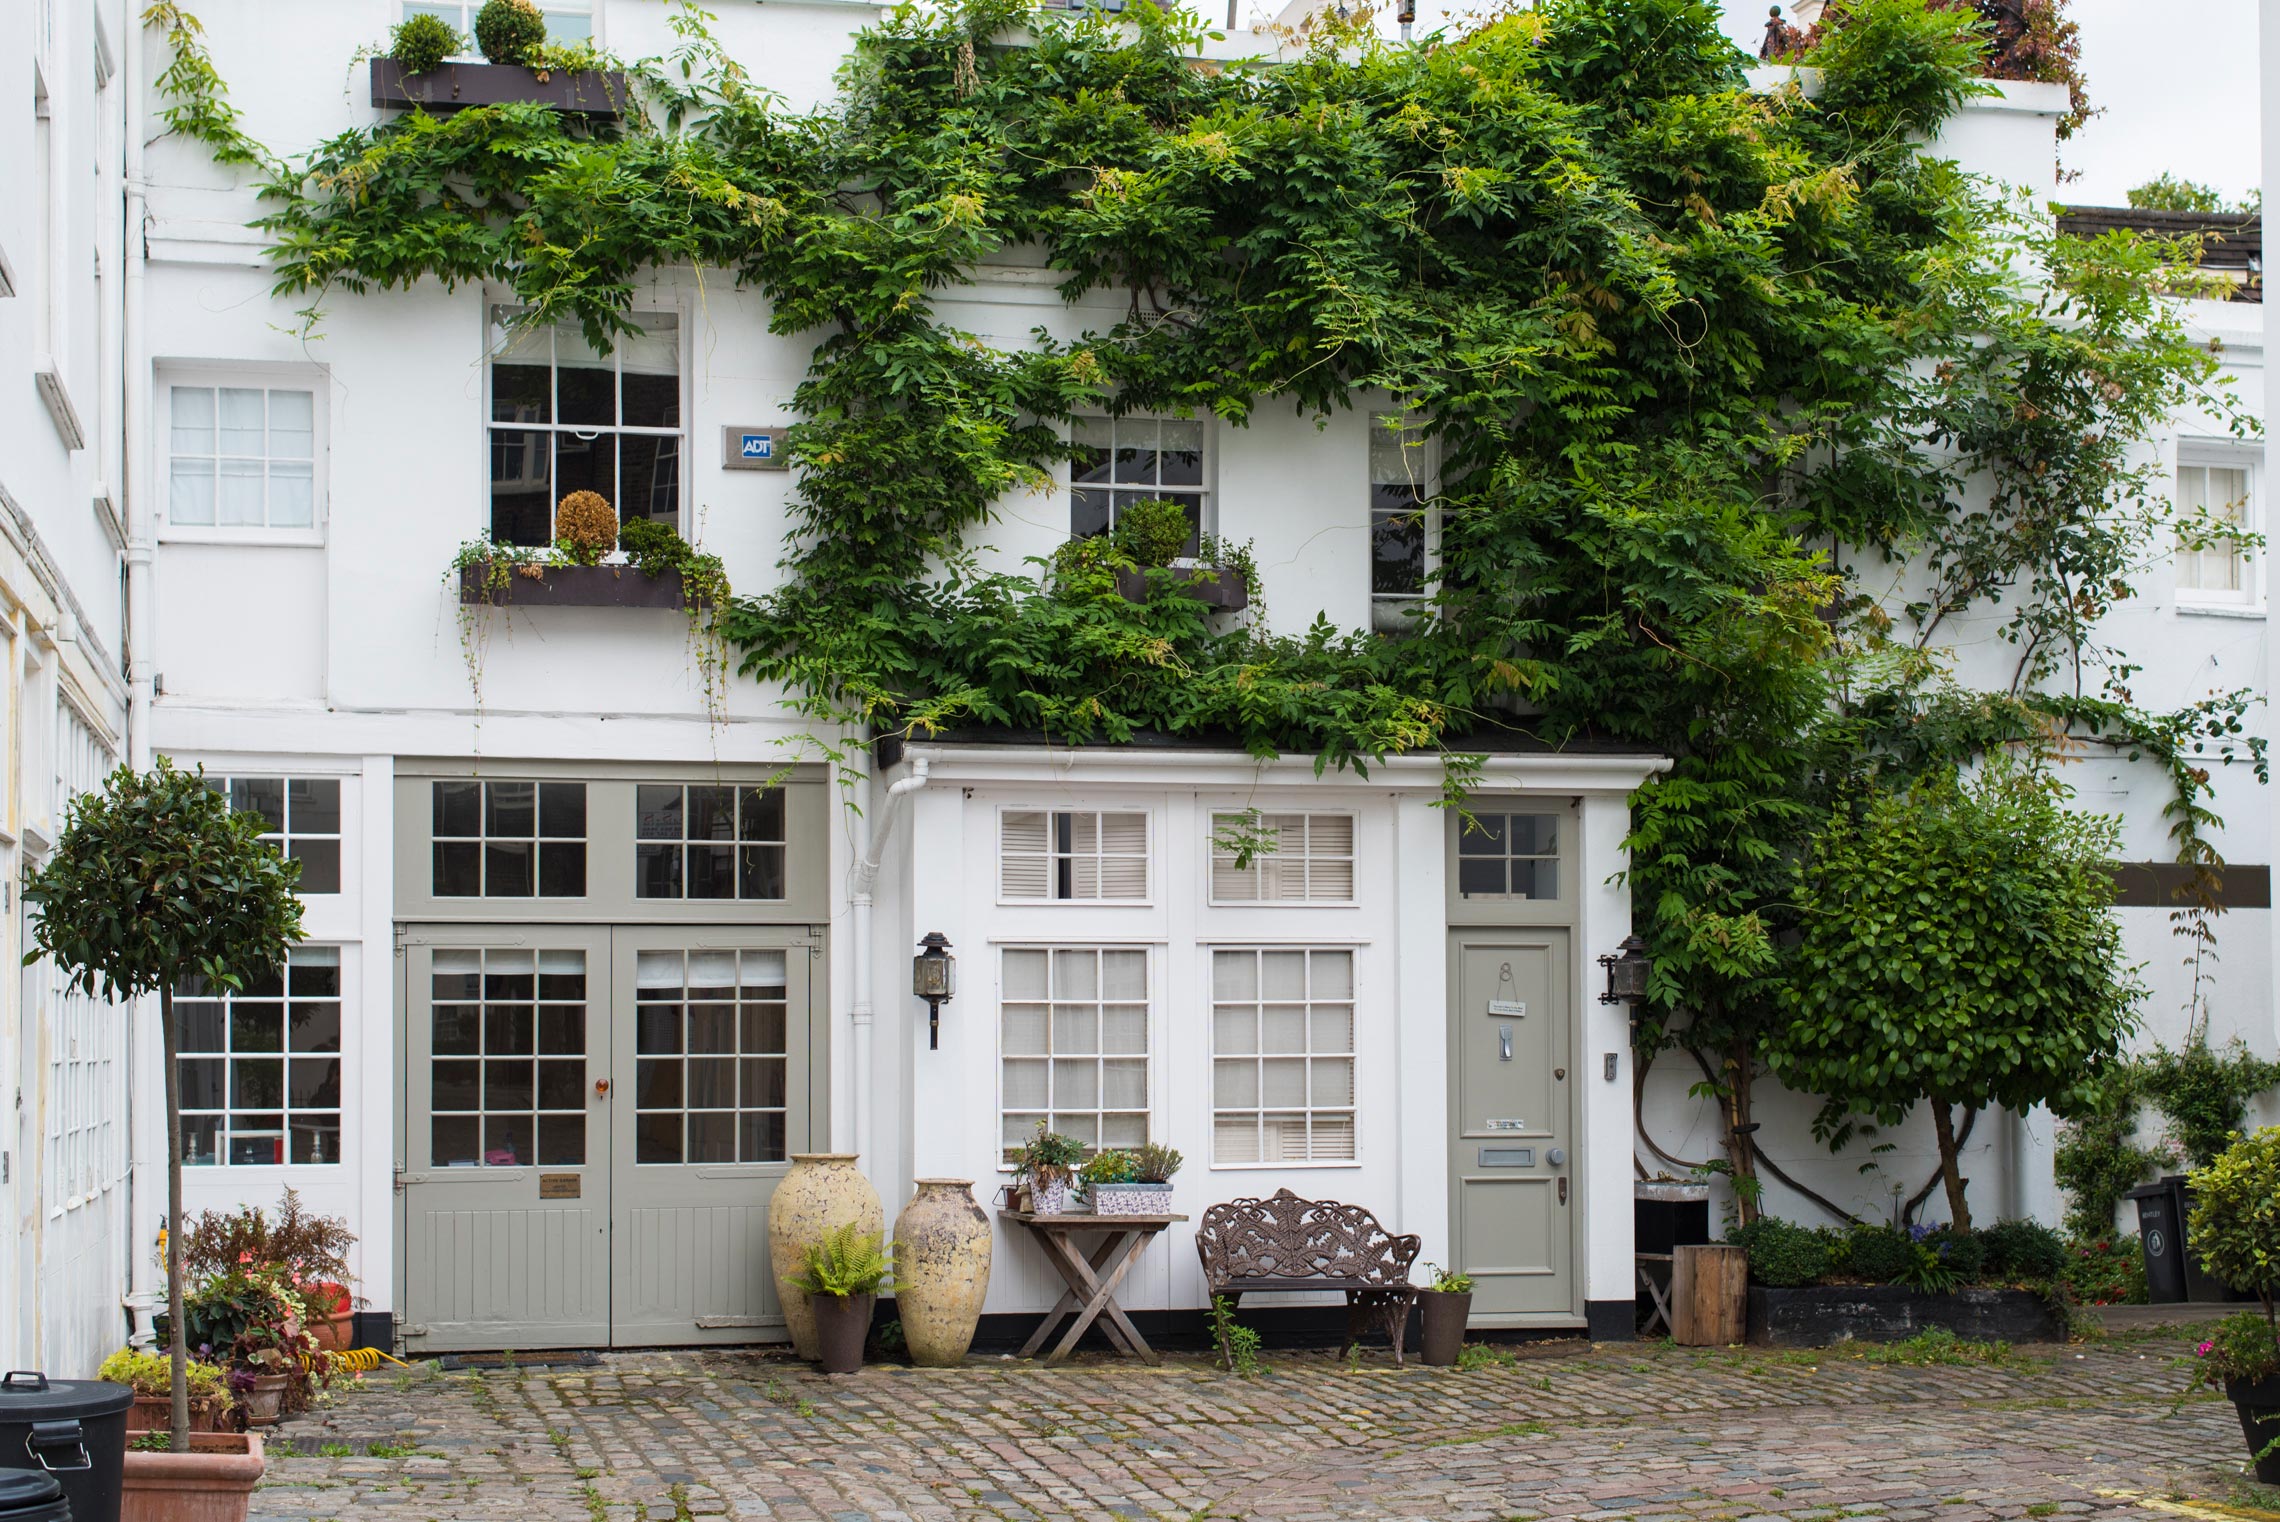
[
  {"x": 1563, "y": 1190},
  {"x": 1504, "y": 1042},
  {"x": 601, "y": 1088}
]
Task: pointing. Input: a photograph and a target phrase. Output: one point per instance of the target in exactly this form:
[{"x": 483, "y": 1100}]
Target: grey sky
[{"x": 2178, "y": 83}]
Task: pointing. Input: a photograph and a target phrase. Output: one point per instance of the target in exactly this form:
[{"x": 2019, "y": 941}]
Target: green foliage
[
  {"x": 1153, "y": 532},
  {"x": 1047, "y": 1157},
  {"x": 2106, "y": 1271},
  {"x": 1936, "y": 1346},
  {"x": 422, "y": 41},
  {"x": 1877, "y": 1254},
  {"x": 1447, "y": 1281},
  {"x": 1962, "y": 1253},
  {"x": 2022, "y": 1251},
  {"x": 152, "y": 1374},
  {"x": 2168, "y": 192},
  {"x": 2234, "y": 1225},
  {"x": 2241, "y": 1347},
  {"x": 1480, "y": 1355},
  {"x": 2096, "y": 1162},
  {"x": 1898, "y": 66},
  {"x": 2204, "y": 1094},
  {"x": 509, "y": 30},
  {"x": 1109, "y": 1166},
  {"x": 846, "y": 1260},
  {"x": 1782, "y": 1255},
  {"x": 1239, "y": 1344},
  {"x": 310, "y": 1249},
  {"x": 1155, "y": 1163}
]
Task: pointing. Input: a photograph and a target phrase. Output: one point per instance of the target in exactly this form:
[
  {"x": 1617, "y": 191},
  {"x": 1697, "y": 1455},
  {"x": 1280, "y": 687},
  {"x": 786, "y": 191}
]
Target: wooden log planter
[
  {"x": 572, "y": 586},
  {"x": 1820, "y": 1314}
]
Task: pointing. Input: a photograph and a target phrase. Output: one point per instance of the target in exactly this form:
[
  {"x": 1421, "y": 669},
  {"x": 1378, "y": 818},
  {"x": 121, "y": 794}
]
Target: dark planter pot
[
  {"x": 1444, "y": 1317},
  {"x": 449, "y": 86},
  {"x": 1824, "y": 1313},
  {"x": 1214, "y": 586},
  {"x": 2258, "y": 1402},
  {"x": 572, "y": 586},
  {"x": 842, "y": 1322}
]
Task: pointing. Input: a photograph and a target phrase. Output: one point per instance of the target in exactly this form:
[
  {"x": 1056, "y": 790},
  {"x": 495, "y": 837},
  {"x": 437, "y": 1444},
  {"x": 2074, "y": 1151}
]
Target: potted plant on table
[
  {"x": 151, "y": 1377},
  {"x": 2235, "y": 1227},
  {"x": 1446, "y": 1306},
  {"x": 1134, "y": 1183},
  {"x": 845, "y": 1272},
  {"x": 1043, "y": 1168}
]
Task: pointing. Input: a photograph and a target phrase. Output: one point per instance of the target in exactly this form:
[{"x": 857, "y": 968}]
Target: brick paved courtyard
[{"x": 1640, "y": 1432}]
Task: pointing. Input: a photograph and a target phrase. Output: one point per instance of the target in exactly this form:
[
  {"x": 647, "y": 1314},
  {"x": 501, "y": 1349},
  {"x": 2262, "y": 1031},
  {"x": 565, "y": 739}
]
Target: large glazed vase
[
  {"x": 822, "y": 1192},
  {"x": 942, "y": 1270}
]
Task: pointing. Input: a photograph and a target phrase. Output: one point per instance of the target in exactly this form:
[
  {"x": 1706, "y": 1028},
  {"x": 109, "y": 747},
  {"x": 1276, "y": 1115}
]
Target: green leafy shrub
[
  {"x": 1111, "y": 1165},
  {"x": 1928, "y": 1272},
  {"x": 2106, "y": 1271},
  {"x": 846, "y": 1261},
  {"x": 1782, "y": 1255},
  {"x": 152, "y": 1374},
  {"x": 2097, "y": 1163},
  {"x": 1154, "y": 532},
  {"x": 1961, "y": 1252},
  {"x": 2023, "y": 1250},
  {"x": 2235, "y": 1222},
  {"x": 508, "y": 30},
  {"x": 1155, "y": 1163},
  {"x": 1447, "y": 1281},
  {"x": 2241, "y": 1347},
  {"x": 422, "y": 41},
  {"x": 2204, "y": 1094},
  {"x": 1878, "y": 1254}
]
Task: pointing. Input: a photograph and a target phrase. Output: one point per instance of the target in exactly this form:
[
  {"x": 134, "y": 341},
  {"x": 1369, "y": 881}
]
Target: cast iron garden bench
[{"x": 1286, "y": 1243}]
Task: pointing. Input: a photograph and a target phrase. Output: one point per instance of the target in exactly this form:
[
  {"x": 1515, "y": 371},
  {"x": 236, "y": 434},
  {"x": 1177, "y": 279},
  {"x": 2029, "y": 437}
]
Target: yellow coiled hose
[{"x": 363, "y": 1360}]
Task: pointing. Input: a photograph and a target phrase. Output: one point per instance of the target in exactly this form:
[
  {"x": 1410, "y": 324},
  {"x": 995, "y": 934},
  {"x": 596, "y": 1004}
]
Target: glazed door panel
[{"x": 1511, "y": 1161}]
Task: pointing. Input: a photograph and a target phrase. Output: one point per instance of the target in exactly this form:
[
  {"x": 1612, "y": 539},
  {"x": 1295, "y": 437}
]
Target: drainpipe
[{"x": 871, "y": 844}]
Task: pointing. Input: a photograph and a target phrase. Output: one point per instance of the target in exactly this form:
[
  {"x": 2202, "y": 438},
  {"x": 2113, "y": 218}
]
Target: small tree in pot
[
  {"x": 153, "y": 880},
  {"x": 2235, "y": 1227},
  {"x": 845, "y": 1273},
  {"x": 1445, "y": 1306}
]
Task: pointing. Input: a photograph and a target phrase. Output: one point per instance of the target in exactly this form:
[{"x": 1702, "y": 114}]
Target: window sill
[
  {"x": 2220, "y": 609},
  {"x": 247, "y": 538}
]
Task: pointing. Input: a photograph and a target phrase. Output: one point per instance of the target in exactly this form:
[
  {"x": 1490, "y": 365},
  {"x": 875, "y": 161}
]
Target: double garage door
[{"x": 595, "y": 1119}]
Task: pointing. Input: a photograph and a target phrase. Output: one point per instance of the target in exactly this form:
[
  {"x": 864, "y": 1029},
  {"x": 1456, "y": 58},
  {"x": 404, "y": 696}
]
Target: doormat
[{"x": 573, "y": 1358}]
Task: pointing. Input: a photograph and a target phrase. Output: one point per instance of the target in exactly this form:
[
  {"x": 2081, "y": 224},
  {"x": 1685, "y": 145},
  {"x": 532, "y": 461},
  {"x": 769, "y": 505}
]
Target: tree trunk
[
  {"x": 1951, "y": 1165},
  {"x": 178, "y": 1335},
  {"x": 1741, "y": 1133}
]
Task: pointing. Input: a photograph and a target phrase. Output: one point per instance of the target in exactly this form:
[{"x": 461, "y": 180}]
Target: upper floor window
[
  {"x": 1282, "y": 858},
  {"x": 241, "y": 457},
  {"x": 1123, "y": 460},
  {"x": 1072, "y": 855},
  {"x": 2216, "y": 503},
  {"x": 509, "y": 839},
  {"x": 566, "y": 417},
  {"x": 300, "y": 817},
  {"x": 1509, "y": 856},
  {"x": 260, "y": 1065},
  {"x": 708, "y": 842},
  {"x": 567, "y": 21},
  {"x": 1404, "y": 531}
]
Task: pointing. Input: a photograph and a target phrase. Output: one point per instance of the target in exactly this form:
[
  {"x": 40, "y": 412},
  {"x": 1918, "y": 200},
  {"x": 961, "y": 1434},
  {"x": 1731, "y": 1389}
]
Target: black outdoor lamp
[
  {"x": 934, "y": 978},
  {"x": 1627, "y": 967}
]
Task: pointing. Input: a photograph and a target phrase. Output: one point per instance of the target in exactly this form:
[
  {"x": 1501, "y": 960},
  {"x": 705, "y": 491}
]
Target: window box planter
[
  {"x": 448, "y": 86},
  {"x": 1824, "y": 1313},
  {"x": 213, "y": 1482},
  {"x": 572, "y": 586},
  {"x": 1214, "y": 586}
]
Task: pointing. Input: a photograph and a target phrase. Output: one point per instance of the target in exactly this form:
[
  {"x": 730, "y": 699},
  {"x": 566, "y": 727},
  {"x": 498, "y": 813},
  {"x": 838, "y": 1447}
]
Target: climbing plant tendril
[{"x": 1743, "y": 399}]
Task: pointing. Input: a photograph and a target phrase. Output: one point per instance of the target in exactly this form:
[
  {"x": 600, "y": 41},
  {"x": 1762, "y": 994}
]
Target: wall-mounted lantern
[
  {"x": 934, "y": 978},
  {"x": 1627, "y": 968}
]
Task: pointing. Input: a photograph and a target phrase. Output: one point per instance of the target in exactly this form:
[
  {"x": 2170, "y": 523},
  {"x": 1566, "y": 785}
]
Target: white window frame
[
  {"x": 1207, "y": 495},
  {"x": 1427, "y": 454},
  {"x": 86, "y": 1141},
  {"x": 1152, "y": 962},
  {"x": 1353, "y": 951},
  {"x": 284, "y": 840},
  {"x": 226, "y": 1000},
  {"x": 1150, "y": 865},
  {"x": 591, "y": 10},
  {"x": 262, "y": 378},
  {"x": 1212, "y": 856},
  {"x": 1563, "y": 871},
  {"x": 2249, "y": 600}
]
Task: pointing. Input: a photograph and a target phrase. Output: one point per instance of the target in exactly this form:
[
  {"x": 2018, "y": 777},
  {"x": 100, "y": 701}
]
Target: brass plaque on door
[{"x": 558, "y": 1186}]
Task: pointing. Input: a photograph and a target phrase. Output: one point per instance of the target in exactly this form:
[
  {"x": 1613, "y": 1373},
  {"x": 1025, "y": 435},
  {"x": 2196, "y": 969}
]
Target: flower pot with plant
[
  {"x": 209, "y": 1480},
  {"x": 1445, "y": 1306},
  {"x": 845, "y": 1272},
  {"x": 1044, "y": 1167},
  {"x": 1154, "y": 536},
  {"x": 151, "y": 1377},
  {"x": 1137, "y": 1182},
  {"x": 2235, "y": 1228}
]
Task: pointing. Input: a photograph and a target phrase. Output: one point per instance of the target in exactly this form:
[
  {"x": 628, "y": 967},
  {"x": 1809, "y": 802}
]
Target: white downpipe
[
  {"x": 870, "y": 845},
  {"x": 135, "y": 496}
]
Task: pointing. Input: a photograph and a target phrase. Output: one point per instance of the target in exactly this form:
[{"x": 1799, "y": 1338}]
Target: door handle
[
  {"x": 1504, "y": 1042},
  {"x": 601, "y": 1088},
  {"x": 1563, "y": 1189}
]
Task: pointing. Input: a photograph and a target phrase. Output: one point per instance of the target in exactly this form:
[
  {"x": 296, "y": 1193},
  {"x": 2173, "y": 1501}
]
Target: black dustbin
[
  {"x": 29, "y": 1496},
  {"x": 73, "y": 1429},
  {"x": 2161, "y": 1228}
]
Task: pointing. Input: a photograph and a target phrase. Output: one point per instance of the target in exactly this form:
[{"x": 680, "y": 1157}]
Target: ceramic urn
[
  {"x": 823, "y": 1191},
  {"x": 942, "y": 1270}
]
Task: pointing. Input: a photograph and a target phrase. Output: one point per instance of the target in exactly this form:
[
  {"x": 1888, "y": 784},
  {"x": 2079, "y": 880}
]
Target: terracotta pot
[
  {"x": 823, "y": 1191},
  {"x": 842, "y": 1322},
  {"x": 265, "y": 1401},
  {"x": 2257, "y": 1401},
  {"x": 211, "y": 1483},
  {"x": 155, "y": 1413},
  {"x": 1444, "y": 1326},
  {"x": 942, "y": 1270}
]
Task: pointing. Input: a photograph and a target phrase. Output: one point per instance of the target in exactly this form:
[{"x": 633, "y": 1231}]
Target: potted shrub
[
  {"x": 250, "y": 1320},
  {"x": 2235, "y": 1227},
  {"x": 1445, "y": 1305},
  {"x": 151, "y": 1377},
  {"x": 1153, "y": 535},
  {"x": 1043, "y": 1168},
  {"x": 1138, "y": 1182},
  {"x": 845, "y": 1272},
  {"x": 308, "y": 1252}
]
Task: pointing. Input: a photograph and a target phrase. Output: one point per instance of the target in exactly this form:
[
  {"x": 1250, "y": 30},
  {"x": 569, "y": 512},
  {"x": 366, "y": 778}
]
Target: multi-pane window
[
  {"x": 508, "y": 1054},
  {"x": 1073, "y": 1044},
  {"x": 300, "y": 816},
  {"x": 567, "y": 21},
  {"x": 1282, "y": 1056},
  {"x": 708, "y": 842},
  {"x": 1282, "y": 858},
  {"x": 710, "y": 1057},
  {"x": 1072, "y": 855},
  {"x": 1402, "y": 538},
  {"x": 241, "y": 457},
  {"x": 2219, "y": 501},
  {"x": 260, "y": 1065},
  {"x": 83, "y": 1034},
  {"x": 566, "y": 417},
  {"x": 509, "y": 839},
  {"x": 1509, "y": 856},
  {"x": 1123, "y": 460}
]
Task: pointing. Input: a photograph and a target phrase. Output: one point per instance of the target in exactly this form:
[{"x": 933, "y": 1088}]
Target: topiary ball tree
[
  {"x": 155, "y": 879},
  {"x": 507, "y": 30}
]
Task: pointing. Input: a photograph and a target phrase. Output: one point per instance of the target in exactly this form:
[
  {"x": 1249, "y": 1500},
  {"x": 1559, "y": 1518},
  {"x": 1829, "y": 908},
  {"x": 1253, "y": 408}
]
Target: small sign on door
[
  {"x": 558, "y": 1186},
  {"x": 753, "y": 449},
  {"x": 1513, "y": 1007}
]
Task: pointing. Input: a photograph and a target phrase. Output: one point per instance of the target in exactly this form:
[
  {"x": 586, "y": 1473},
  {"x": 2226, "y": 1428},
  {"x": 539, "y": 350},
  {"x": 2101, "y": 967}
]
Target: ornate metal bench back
[{"x": 1289, "y": 1238}]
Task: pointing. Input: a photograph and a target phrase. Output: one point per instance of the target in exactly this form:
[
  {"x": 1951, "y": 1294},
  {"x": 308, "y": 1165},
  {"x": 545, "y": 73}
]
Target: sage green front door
[{"x": 1511, "y": 1108}]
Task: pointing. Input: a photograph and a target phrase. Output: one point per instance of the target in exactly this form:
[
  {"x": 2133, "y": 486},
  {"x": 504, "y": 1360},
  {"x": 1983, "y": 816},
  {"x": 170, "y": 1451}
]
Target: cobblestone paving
[{"x": 1646, "y": 1432}]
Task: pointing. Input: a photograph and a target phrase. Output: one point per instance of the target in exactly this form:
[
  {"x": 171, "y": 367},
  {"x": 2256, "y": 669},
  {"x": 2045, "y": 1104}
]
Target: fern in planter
[{"x": 846, "y": 1261}]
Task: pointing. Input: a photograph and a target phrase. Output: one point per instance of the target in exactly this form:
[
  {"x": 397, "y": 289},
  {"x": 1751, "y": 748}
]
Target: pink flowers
[{"x": 2205, "y": 1349}]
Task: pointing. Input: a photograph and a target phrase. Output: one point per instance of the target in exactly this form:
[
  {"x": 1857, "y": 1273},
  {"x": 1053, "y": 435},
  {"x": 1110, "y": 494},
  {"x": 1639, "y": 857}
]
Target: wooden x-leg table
[{"x": 1092, "y": 1279}]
